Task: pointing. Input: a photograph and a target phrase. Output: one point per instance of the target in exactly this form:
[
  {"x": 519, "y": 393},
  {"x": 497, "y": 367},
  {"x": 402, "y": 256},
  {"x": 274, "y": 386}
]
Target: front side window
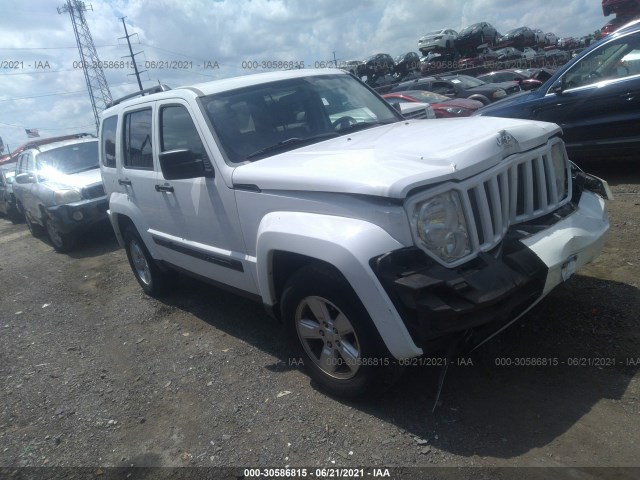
[
  {"x": 268, "y": 118},
  {"x": 178, "y": 132},
  {"x": 108, "y": 141},
  {"x": 138, "y": 152},
  {"x": 614, "y": 60},
  {"x": 25, "y": 163}
]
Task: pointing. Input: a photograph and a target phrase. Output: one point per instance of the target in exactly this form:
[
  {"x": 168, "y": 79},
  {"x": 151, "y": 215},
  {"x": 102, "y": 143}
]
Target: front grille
[
  {"x": 94, "y": 191},
  {"x": 521, "y": 188},
  {"x": 416, "y": 114}
]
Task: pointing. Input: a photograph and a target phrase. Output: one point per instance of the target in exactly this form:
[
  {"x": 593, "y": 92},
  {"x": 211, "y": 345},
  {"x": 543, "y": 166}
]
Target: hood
[
  {"x": 391, "y": 160},
  {"x": 76, "y": 180},
  {"x": 460, "y": 102}
]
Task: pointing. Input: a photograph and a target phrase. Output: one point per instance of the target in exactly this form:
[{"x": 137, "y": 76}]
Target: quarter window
[{"x": 138, "y": 152}]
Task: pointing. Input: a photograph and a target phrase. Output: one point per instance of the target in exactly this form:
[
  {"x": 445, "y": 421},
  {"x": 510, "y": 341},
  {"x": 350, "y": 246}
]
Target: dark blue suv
[{"x": 595, "y": 98}]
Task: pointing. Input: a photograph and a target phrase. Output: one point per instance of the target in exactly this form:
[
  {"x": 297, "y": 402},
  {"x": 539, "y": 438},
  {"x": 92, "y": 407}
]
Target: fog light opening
[{"x": 77, "y": 215}]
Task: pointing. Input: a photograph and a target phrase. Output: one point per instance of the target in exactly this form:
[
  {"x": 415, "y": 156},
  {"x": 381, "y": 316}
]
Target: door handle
[
  {"x": 124, "y": 182},
  {"x": 164, "y": 188}
]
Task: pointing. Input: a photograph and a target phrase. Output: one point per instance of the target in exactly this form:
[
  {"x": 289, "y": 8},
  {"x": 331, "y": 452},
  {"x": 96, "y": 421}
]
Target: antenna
[{"x": 94, "y": 76}]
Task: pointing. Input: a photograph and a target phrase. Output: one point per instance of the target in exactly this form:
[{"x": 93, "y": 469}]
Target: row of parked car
[
  {"x": 54, "y": 185},
  {"x": 481, "y": 44}
]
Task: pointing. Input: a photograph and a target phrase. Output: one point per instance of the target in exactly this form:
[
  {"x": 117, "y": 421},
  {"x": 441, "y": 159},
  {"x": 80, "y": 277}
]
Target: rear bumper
[
  {"x": 79, "y": 216},
  {"x": 499, "y": 286}
]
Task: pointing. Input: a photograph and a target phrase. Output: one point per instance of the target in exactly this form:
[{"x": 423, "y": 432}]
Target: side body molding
[{"x": 346, "y": 243}]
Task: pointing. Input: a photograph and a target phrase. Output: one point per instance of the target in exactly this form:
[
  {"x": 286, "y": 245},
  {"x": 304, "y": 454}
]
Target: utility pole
[
  {"x": 91, "y": 66},
  {"x": 131, "y": 54}
]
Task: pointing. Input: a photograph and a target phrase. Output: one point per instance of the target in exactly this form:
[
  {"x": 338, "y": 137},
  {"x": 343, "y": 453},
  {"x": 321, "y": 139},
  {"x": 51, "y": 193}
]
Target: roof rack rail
[{"x": 141, "y": 93}]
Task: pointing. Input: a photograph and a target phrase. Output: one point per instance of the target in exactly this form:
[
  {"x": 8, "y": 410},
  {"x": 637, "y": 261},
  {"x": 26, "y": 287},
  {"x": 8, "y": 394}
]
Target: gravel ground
[{"x": 95, "y": 374}]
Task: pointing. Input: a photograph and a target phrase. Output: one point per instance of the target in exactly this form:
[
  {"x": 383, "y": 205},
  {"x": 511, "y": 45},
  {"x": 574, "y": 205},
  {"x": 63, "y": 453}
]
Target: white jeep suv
[{"x": 372, "y": 237}]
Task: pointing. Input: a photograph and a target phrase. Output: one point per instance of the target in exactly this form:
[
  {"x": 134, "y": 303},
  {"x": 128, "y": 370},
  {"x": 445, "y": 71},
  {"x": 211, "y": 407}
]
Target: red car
[
  {"x": 444, "y": 107},
  {"x": 624, "y": 7},
  {"x": 617, "y": 22}
]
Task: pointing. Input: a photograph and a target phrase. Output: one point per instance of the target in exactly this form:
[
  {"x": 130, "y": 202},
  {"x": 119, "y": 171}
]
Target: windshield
[
  {"x": 466, "y": 82},
  {"x": 69, "y": 159},
  {"x": 427, "y": 97},
  {"x": 253, "y": 121},
  {"x": 470, "y": 28}
]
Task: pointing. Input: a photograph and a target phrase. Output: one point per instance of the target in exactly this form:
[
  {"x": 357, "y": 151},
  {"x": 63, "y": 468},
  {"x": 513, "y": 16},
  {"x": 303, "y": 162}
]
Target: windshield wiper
[
  {"x": 289, "y": 142},
  {"x": 361, "y": 126},
  {"x": 84, "y": 169}
]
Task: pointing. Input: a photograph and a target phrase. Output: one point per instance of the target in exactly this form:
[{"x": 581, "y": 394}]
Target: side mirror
[
  {"x": 558, "y": 87},
  {"x": 181, "y": 164},
  {"x": 25, "y": 178}
]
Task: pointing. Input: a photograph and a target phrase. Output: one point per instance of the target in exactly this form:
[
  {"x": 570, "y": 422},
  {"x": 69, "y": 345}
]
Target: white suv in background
[{"x": 374, "y": 238}]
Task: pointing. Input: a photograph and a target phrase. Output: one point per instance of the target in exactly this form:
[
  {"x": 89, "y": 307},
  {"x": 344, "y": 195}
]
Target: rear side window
[
  {"x": 108, "y": 141},
  {"x": 138, "y": 153}
]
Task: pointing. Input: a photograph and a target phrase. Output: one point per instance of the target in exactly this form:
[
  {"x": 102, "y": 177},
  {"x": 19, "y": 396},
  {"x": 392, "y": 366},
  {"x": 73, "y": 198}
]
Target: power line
[
  {"x": 57, "y": 48},
  {"x": 48, "y": 129},
  {"x": 53, "y": 94}
]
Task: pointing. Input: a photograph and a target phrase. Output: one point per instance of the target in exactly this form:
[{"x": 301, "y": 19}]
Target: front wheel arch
[
  {"x": 342, "y": 326},
  {"x": 480, "y": 98}
]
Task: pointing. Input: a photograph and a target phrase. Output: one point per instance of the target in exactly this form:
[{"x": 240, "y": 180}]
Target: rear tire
[
  {"x": 332, "y": 333},
  {"x": 154, "y": 281}
]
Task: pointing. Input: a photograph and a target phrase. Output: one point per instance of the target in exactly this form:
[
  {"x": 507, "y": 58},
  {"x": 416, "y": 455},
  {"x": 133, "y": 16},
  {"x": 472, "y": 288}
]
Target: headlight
[
  {"x": 454, "y": 110},
  {"x": 62, "y": 197},
  {"x": 499, "y": 93},
  {"x": 441, "y": 226},
  {"x": 560, "y": 166}
]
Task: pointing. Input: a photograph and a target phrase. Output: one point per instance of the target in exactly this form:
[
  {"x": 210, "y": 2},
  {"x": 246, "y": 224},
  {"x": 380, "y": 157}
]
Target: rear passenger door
[
  {"x": 137, "y": 175},
  {"x": 196, "y": 228}
]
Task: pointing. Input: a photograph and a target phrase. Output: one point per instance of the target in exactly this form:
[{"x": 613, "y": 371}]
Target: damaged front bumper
[
  {"x": 499, "y": 286},
  {"x": 78, "y": 216}
]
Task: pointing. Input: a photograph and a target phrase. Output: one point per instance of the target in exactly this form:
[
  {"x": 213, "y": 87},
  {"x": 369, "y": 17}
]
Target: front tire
[
  {"x": 334, "y": 336},
  {"x": 35, "y": 229},
  {"x": 62, "y": 242},
  {"x": 154, "y": 281}
]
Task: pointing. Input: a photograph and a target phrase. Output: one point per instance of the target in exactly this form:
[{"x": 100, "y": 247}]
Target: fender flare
[
  {"x": 346, "y": 243},
  {"x": 119, "y": 205}
]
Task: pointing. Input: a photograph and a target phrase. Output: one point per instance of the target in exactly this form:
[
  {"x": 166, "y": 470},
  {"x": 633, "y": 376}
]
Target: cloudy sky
[{"x": 42, "y": 86}]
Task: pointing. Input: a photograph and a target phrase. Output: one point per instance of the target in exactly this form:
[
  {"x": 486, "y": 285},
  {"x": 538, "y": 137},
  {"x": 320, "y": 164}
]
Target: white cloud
[{"x": 229, "y": 32}]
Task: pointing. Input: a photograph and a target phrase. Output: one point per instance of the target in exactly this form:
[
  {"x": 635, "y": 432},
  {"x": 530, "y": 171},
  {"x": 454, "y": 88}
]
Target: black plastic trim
[
  {"x": 207, "y": 257},
  {"x": 487, "y": 292}
]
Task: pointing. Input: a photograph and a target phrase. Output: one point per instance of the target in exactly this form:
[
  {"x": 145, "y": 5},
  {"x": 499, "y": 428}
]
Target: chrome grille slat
[
  {"x": 551, "y": 180},
  {"x": 541, "y": 184},
  {"x": 492, "y": 201}
]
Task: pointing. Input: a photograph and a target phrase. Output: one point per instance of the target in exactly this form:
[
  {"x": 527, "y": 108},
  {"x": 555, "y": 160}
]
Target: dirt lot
[{"x": 93, "y": 373}]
